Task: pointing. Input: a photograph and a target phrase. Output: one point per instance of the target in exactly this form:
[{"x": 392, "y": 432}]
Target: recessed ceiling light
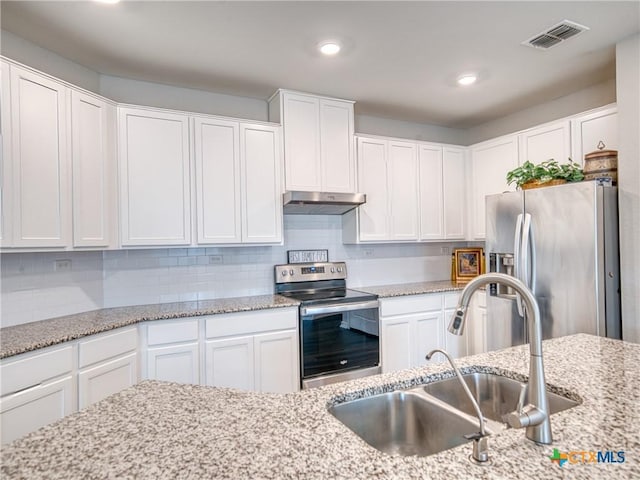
[
  {"x": 329, "y": 48},
  {"x": 111, "y": 2},
  {"x": 467, "y": 79}
]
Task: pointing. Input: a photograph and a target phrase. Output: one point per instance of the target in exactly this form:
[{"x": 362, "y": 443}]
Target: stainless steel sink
[
  {"x": 405, "y": 423},
  {"x": 496, "y": 395},
  {"x": 434, "y": 417}
]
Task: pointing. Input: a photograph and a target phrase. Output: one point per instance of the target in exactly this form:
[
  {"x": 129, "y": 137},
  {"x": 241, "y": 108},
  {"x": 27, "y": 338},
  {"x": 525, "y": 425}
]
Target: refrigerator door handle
[
  {"x": 517, "y": 261},
  {"x": 528, "y": 254}
]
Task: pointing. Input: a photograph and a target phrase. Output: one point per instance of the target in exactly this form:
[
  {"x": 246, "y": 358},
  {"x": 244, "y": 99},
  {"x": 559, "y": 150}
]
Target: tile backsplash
[{"x": 36, "y": 286}]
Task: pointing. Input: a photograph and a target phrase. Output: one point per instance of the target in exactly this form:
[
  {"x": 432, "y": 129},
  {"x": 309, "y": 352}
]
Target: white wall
[
  {"x": 30, "y": 54},
  {"x": 577, "y": 102},
  {"x": 628, "y": 85},
  {"x": 410, "y": 130}
]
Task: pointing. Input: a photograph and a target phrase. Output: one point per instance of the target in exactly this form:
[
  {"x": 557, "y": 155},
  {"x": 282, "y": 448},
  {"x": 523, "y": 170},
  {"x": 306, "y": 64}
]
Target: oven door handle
[{"x": 338, "y": 308}]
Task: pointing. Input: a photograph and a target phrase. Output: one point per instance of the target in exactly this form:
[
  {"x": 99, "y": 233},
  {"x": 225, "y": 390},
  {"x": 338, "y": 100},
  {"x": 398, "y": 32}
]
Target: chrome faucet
[
  {"x": 535, "y": 415},
  {"x": 480, "y": 444}
]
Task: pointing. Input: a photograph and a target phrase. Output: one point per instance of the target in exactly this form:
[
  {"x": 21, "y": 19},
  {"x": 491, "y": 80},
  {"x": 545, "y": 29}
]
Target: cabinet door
[
  {"x": 230, "y": 363},
  {"x": 477, "y": 324},
  {"x": 336, "y": 146},
  {"x": 428, "y": 335},
  {"x": 261, "y": 189},
  {"x": 590, "y": 129},
  {"x": 403, "y": 186},
  {"x": 218, "y": 184},
  {"x": 454, "y": 174},
  {"x": 276, "y": 362},
  {"x": 301, "y": 120},
  {"x": 490, "y": 163},
  {"x": 93, "y": 170},
  {"x": 41, "y": 203},
  {"x": 154, "y": 178},
  {"x": 174, "y": 363},
  {"x": 26, "y": 411},
  {"x": 396, "y": 344},
  {"x": 546, "y": 142},
  {"x": 97, "y": 383},
  {"x": 372, "y": 175},
  {"x": 431, "y": 192},
  {"x": 5, "y": 162}
]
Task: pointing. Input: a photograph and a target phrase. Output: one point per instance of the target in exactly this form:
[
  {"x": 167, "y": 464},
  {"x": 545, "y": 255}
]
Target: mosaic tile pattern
[
  {"x": 165, "y": 430},
  {"x": 32, "y": 336}
]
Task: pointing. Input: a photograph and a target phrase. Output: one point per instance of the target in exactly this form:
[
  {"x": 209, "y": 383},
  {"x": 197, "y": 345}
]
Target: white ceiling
[{"x": 399, "y": 60}]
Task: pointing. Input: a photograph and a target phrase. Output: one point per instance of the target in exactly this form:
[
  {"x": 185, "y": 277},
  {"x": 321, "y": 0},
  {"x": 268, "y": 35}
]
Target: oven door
[{"x": 338, "y": 338}]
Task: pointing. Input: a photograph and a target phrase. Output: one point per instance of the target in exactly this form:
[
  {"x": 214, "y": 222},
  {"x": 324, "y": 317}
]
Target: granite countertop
[
  {"x": 32, "y": 336},
  {"x": 166, "y": 430},
  {"x": 416, "y": 288},
  {"x": 44, "y": 333}
]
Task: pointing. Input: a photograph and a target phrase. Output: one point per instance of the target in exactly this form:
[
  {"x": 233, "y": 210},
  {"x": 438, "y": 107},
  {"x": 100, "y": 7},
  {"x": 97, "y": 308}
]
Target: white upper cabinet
[
  {"x": 550, "y": 141},
  {"x": 454, "y": 174},
  {"x": 93, "y": 123},
  {"x": 39, "y": 161},
  {"x": 261, "y": 187},
  {"x": 238, "y": 186},
  {"x": 431, "y": 192},
  {"x": 5, "y": 163},
  {"x": 402, "y": 171},
  {"x": 591, "y": 128},
  {"x": 154, "y": 177},
  {"x": 318, "y": 141},
  {"x": 217, "y": 158},
  {"x": 490, "y": 162},
  {"x": 372, "y": 179}
]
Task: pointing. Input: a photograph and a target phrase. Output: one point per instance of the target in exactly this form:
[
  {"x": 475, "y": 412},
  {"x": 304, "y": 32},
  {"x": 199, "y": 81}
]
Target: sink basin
[
  {"x": 496, "y": 395},
  {"x": 434, "y": 417},
  {"x": 405, "y": 423}
]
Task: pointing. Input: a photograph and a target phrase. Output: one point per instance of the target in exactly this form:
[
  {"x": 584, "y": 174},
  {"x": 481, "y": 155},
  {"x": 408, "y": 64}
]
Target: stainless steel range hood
[{"x": 320, "y": 203}]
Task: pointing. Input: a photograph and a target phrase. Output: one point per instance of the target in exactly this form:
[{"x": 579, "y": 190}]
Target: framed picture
[{"x": 468, "y": 263}]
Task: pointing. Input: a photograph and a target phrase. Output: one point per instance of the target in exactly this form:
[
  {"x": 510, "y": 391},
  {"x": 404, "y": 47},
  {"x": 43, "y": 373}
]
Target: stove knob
[
  {"x": 339, "y": 269},
  {"x": 284, "y": 273},
  {"x": 333, "y": 270},
  {"x": 291, "y": 272}
]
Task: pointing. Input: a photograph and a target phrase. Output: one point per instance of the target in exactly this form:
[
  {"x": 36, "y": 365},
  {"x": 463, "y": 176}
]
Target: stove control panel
[{"x": 308, "y": 272}]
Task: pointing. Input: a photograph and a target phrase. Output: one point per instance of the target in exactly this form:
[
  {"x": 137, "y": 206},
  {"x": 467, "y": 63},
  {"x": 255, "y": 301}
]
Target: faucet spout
[
  {"x": 480, "y": 444},
  {"x": 535, "y": 416}
]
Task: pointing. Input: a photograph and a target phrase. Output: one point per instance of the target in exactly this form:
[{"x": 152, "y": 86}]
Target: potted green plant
[{"x": 544, "y": 174}]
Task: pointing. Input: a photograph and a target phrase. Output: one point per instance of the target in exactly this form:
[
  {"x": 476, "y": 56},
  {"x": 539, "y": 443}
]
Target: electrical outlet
[
  {"x": 215, "y": 259},
  {"x": 367, "y": 252},
  {"x": 62, "y": 265}
]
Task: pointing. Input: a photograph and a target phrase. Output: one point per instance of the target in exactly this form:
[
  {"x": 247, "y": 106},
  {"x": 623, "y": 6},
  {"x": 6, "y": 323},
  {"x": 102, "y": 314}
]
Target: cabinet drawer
[
  {"x": 105, "y": 346},
  {"x": 410, "y": 304},
  {"x": 172, "y": 332},
  {"x": 30, "y": 371},
  {"x": 451, "y": 299},
  {"x": 251, "y": 322}
]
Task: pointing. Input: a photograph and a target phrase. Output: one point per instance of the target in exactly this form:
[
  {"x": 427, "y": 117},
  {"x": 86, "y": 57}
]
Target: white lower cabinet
[
  {"x": 37, "y": 389},
  {"x": 253, "y": 350},
  {"x": 172, "y": 351},
  {"x": 107, "y": 364},
  {"x": 411, "y": 327},
  {"x": 477, "y": 324}
]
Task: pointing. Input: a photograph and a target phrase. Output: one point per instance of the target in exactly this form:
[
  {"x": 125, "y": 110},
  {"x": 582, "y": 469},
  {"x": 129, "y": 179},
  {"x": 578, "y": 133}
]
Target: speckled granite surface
[
  {"x": 163, "y": 430},
  {"x": 34, "y": 335},
  {"x": 417, "y": 288}
]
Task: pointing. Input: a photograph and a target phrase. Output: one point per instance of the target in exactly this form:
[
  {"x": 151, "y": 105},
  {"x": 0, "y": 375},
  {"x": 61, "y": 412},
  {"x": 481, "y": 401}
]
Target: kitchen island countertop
[{"x": 167, "y": 430}]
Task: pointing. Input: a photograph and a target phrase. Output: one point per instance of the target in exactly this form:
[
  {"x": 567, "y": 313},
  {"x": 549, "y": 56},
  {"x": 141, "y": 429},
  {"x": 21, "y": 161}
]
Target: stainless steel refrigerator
[{"x": 562, "y": 242}]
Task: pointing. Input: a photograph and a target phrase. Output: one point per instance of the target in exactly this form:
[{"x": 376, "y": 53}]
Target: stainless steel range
[{"x": 339, "y": 327}]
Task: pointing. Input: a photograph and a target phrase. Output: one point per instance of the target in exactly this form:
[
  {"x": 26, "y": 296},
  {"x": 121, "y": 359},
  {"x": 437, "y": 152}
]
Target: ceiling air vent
[{"x": 555, "y": 35}]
